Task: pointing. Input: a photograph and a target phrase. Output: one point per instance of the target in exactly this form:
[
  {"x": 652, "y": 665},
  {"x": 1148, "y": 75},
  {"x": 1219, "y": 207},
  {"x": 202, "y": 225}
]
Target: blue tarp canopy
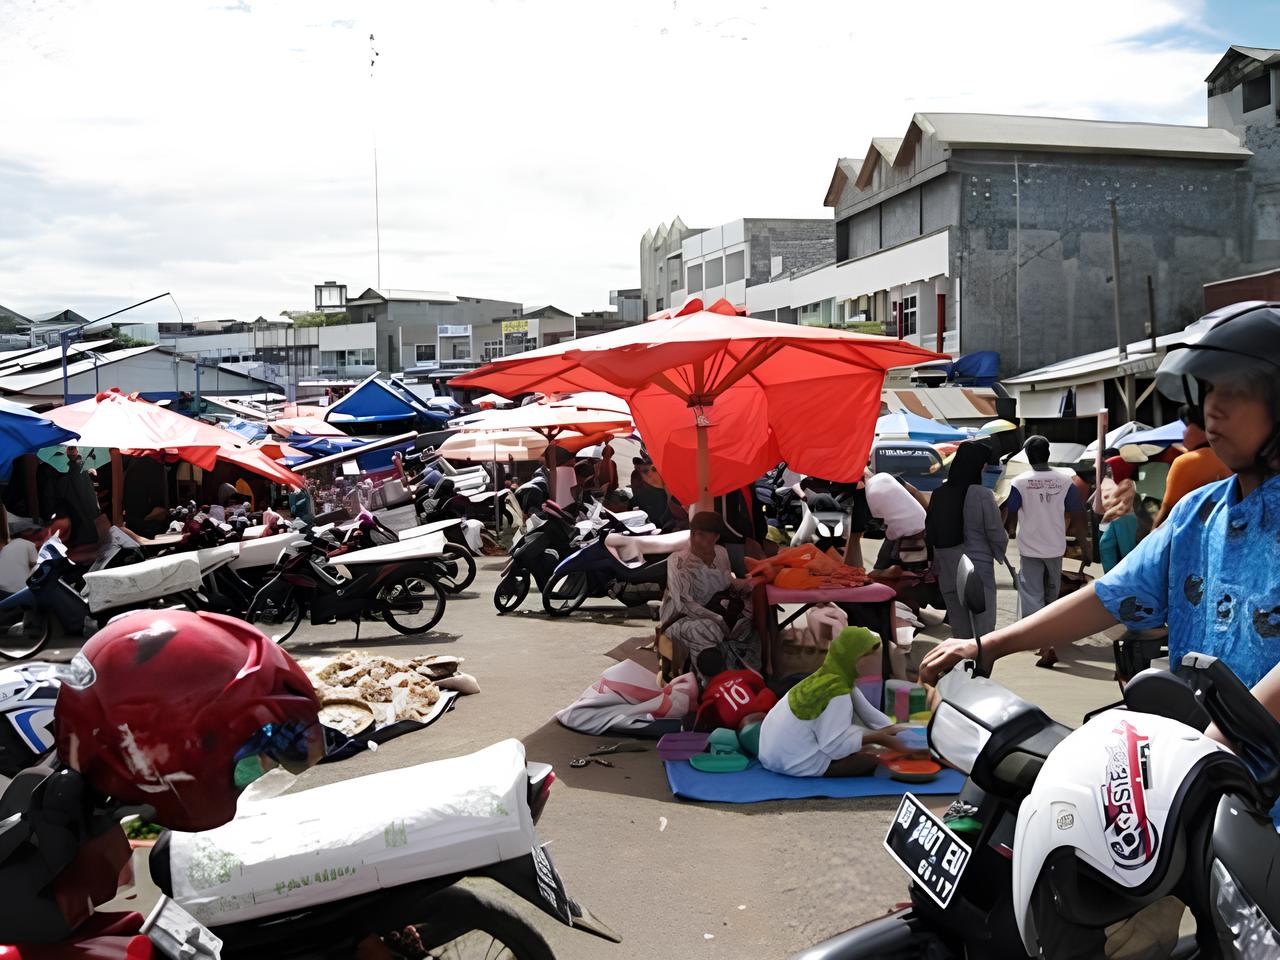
[
  {"x": 22, "y": 431},
  {"x": 383, "y": 401},
  {"x": 978, "y": 369},
  {"x": 1165, "y": 436},
  {"x": 907, "y": 424},
  {"x": 245, "y": 428}
]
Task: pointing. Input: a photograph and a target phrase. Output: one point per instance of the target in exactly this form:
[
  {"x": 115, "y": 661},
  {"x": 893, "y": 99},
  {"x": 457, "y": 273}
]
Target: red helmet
[{"x": 182, "y": 710}]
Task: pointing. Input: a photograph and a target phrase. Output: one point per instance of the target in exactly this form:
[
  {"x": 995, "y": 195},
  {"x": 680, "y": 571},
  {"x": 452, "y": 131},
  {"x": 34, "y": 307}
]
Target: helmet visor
[{"x": 294, "y": 745}]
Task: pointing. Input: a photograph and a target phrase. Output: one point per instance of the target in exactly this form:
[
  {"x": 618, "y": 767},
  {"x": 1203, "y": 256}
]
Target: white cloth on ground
[
  {"x": 806, "y": 748},
  {"x": 628, "y": 696}
]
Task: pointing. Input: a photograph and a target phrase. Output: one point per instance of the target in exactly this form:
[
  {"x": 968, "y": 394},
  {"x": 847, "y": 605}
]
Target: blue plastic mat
[{"x": 756, "y": 783}]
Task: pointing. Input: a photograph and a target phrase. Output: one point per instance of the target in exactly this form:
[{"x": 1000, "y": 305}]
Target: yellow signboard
[{"x": 515, "y": 326}]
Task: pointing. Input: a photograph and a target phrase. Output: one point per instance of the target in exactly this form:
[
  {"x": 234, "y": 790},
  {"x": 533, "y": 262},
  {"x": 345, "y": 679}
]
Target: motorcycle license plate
[{"x": 932, "y": 855}]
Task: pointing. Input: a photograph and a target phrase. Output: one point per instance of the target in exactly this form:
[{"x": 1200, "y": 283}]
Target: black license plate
[{"x": 934, "y": 857}]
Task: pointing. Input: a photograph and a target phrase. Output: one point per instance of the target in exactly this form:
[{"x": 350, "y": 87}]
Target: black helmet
[{"x": 1241, "y": 341}]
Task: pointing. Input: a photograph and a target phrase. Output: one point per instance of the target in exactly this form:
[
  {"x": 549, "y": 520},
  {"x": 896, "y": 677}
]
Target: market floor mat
[{"x": 756, "y": 784}]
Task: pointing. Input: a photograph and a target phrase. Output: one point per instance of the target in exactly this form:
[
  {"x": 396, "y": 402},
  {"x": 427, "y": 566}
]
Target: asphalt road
[{"x": 721, "y": 880}]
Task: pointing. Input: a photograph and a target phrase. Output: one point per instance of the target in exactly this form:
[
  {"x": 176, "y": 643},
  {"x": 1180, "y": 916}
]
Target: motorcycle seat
[
  {"x": 211, "y": 557},
  {"x": 264, "y": 551},
  {"x": 631, "y": 547},
  {"x": 148, "y": 580}
]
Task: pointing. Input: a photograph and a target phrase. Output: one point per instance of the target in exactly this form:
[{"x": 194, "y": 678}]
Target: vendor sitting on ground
[
  {"x": 819, "y": 728},
  {"x": 699, "y": 579}
]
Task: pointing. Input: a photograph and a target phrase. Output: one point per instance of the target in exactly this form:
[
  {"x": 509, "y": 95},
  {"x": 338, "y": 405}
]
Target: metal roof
[
  {"x": 20, "y": 382},
  {"x": 26, "y": 360},
  {"x": 1264, "y": 55},
  {"x": 989, "y": 130},
  {"x": 412, "y": 296}
]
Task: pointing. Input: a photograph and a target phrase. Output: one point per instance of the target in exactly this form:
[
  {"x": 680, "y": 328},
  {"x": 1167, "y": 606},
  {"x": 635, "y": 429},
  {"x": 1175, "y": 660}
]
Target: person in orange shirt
[{"x": 1194, "y": 469}]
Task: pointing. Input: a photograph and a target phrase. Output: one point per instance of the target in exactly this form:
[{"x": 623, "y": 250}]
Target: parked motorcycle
[
  {"x": 822, "y": 521},
  {"x": 59, "y": 602},
  {"x": 395, "y": 584},
  {"x": 595, "y": 570},
  {"x": 1059, "y": 834},
  {"x": 535, "y": 556}
]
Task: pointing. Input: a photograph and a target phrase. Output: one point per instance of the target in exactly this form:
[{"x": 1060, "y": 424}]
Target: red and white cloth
[{"x": 627, "y": 696}]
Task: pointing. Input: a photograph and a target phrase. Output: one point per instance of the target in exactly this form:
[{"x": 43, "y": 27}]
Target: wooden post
[
  {"x": 942, "y": 320},
  {"x": 117, "y": 487}
]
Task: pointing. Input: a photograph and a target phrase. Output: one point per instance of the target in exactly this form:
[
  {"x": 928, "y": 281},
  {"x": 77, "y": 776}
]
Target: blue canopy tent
[
  {"x": 22, "y": 431},
  {"x": 979, "y": 369},
  {"x": 907, "y": 424},
  {"x": 376, "y": 404},
  {"x": 1165, "y": 436},
  {"x": 248, "y": 429}
]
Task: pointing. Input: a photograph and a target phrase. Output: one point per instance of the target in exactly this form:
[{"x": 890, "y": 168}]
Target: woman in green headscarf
[{"x": 818, "y": 729}]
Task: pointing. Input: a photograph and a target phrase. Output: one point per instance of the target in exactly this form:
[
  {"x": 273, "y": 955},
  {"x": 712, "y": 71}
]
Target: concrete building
[
  {"x": 628, "y": 305},
  {"x": 661, "y": 267},
  {"x": 1244, "y": 98},
  {"x": 725, "y": 261},
  {"x": 986, "y": 232}
]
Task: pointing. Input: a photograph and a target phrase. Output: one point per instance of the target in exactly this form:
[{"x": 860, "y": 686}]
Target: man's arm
[
  {"x": 1071, "y": 618},
  {"x": 1011, "y": 505}
]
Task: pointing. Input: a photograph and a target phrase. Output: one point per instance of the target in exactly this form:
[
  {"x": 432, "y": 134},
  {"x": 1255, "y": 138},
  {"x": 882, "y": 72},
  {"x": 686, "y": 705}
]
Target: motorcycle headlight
[{"x": 1252, "y": 935}]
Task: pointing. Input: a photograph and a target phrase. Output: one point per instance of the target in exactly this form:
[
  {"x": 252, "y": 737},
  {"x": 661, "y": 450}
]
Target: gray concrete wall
[
  {"x": 409, "y": 323},
  {"x": 932, "y": 205},
  {"x": 1181, "y": 221},
  {"x": 863, "y": 232},
  {"x": 901, "y": 218},
  {"x": 801, "y": 244}
]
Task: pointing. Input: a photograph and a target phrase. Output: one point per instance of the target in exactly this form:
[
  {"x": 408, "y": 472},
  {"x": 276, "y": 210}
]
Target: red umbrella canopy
[
  {"x": 127, "y": 422},
  {"x": 721, "y": 398}
]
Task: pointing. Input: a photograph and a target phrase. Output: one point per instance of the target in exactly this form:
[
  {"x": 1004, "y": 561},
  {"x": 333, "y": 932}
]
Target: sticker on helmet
[{"x": 1131, "y": 837}]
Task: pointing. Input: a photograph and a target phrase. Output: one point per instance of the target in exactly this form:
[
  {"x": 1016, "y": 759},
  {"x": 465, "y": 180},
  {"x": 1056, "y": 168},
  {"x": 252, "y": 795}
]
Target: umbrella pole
[{"x": 704, "y": 473}]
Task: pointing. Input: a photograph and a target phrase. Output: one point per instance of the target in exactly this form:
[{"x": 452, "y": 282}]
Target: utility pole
[
  {"x": 1017, "y": 257},
  {"x": 1115, "y": 276}
]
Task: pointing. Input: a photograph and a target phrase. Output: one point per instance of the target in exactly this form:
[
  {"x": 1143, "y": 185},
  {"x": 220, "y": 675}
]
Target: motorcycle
[
  {"x": 417, "y": 909},
  {"x": 535, "y": 556},
  {"x": 51, "y": 606},
  {"x": 394, "y": 583},
  {"x": 1059, "y": 834},
  {"x": 822, "y": 522},
  {"x": 596, "y": 569}
]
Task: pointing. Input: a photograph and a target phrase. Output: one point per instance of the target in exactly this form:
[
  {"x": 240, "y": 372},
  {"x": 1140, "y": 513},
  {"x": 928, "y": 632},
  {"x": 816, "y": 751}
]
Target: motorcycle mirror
[{"x": 970, "y": 588}]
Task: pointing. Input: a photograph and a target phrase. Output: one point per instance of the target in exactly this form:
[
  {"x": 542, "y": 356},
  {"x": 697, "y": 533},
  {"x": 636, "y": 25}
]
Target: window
[
  {"x": 694, "y": 274},
  {"x": 424, "y": 353},
  {"x": 908, "y": 316},
  {"x": 462, "y": 351},
  {"x": 492, "y": 350},
  {"x": 1257, "y": 92},
  {"x": 735, "y": 266},
  {"x": 714, "y": 272}
]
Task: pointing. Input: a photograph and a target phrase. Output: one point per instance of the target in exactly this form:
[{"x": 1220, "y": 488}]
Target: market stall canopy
[
  {"x": 127, "y": 422},
  {"x": 907, "y": 424},
  {"x": 375, "y": 401},
  {"x": 719, "y": 395},
  {"x": 132, "y": 425},
  {"x": 550, "y": 420},
  {"x": 22, "y": 431},
  {"x": 491, "y": 400},
  {"x": 304, "y": 426}
]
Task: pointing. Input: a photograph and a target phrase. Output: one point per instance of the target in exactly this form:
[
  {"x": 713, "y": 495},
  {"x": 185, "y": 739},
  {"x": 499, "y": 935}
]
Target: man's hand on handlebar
[{"x": 944, "y": 656}]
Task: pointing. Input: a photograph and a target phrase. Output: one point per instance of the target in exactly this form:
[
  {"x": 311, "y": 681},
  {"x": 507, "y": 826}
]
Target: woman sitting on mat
[{"x": 819, "y": 727}]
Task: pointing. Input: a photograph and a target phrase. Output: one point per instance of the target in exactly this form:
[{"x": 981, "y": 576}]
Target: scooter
[
  {"x": 595, "y": 570},
  {"x": 535, "y": 556},
  {"x": 51, "y": 606},
  {"x": 395, "y": 583},
  {"x": 61, "y": 851},
  {"x": 822, "y": 521},
  {"x": 1058, "y": 833}
]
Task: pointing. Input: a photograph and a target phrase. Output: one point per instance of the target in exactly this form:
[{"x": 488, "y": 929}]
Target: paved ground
[
  {"x": 721, "y": 881},
  {"x": 762, "y": 880}
]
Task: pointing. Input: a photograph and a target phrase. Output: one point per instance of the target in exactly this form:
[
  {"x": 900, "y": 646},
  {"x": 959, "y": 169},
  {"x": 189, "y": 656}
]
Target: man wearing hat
[{"x": 706, "y": 607}]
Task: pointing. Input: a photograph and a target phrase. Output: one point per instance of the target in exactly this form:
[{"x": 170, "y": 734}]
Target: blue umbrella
[
  {"x": 907, "y": 424},
  {"x": 1165, "y": 436},
  {"x": 22, "y": 431}
]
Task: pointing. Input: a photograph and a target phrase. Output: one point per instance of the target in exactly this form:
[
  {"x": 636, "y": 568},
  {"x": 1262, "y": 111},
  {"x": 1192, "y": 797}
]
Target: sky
[{"x": 224, "y": 151}]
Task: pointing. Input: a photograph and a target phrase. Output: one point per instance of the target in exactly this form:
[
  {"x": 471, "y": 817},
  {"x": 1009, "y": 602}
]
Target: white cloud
[{"x": 225, "y": 153}]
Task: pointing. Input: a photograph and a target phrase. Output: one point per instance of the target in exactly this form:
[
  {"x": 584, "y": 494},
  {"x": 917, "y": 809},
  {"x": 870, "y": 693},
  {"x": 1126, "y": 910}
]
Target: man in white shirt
[
  {"x": 1042, "y": 502},
  {"x": 18, "y": 559}
]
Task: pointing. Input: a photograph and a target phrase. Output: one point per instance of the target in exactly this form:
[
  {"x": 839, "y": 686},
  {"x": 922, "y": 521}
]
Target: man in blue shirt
[{"x": 1212, "y": 571}]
